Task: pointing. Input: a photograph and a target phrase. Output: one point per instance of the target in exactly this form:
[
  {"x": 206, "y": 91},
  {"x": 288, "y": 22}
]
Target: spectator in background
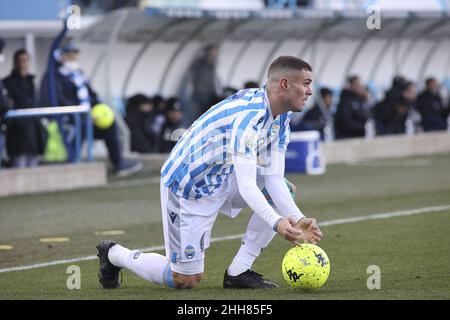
[
  {"x": 395, "y": 92},
  {"x": 431, "y": 107},
  {"x": 409, "y": 93},
  {"x": 4, "y": 102},
  {"x": 397, "y": 117},
  {"x": 73, "y": 88},
  {"x": 316, "y": 117},
  {"x": 352, "y": 112},
  {"x": 160, "y": 117},
  {"x": 24, "y": 139},
  {"x": 206, "y": 88},
  {"x": 251, "y": 85},
  {"x": 174, "y": 116},
  {"x": 140, "y": 117},
  {"x": 229, "y": 91},
  {"x": 391, "y": 110},
  {"x": 381, "y": 112}
]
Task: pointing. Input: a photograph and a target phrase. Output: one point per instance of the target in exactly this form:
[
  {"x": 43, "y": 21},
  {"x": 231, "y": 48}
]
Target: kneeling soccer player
[{"x": 220, "y": 165}]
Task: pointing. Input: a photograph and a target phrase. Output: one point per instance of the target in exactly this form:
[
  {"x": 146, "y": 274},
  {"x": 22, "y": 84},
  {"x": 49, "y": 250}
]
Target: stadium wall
[
  {"x": 360, "y": 149},
  {"x": 52, "y": 178},
  {"x": 385, "y": 147}
]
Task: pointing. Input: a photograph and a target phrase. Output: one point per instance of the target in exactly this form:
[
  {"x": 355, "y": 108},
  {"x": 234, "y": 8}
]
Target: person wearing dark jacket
[
  {"x": 352, "y": 113},
  {"x": 397, "y": 104},
  {"x": 174, "y": 115},
  {"x": 140, "y": 119},
  {"x": 431, "y": 107},
  {"x": 316, "y": 117},
  {"x": 73, "y": 89},
  {"x": 206, "y": 87},
  {"x": 23, "y": 139}
]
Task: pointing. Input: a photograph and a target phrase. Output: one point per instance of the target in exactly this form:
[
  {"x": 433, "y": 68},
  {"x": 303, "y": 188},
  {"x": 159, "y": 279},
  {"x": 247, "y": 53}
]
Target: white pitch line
[{"x": 376, "y": 216}]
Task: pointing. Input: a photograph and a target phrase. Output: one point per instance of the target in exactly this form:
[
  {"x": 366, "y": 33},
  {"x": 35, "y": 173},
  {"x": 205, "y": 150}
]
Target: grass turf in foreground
[{"x": 412, "y": 252}]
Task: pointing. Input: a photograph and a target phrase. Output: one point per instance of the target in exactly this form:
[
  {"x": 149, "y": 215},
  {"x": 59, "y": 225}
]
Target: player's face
[{"x": 298, "y": 90}]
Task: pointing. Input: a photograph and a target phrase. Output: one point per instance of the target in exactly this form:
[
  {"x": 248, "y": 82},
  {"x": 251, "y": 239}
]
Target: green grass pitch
[{"x": 412, "y": 251}]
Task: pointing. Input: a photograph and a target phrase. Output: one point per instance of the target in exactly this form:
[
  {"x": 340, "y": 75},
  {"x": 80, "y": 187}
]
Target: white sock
[
  {"x": 118, "y": 255},
  {"x": 242, "y": 261},
  {"x": 149, "y": 266},
  {"x": 258, "y": 236}
]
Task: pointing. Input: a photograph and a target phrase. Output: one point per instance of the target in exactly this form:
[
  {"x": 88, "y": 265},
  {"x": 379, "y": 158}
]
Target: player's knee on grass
[{"x": 182, "y": 281}]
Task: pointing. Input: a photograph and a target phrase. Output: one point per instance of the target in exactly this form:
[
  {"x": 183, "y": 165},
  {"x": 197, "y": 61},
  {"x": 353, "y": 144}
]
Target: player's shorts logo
[
  {"x": 173, "y": 216},
  {"x": 189, "y": 252}
]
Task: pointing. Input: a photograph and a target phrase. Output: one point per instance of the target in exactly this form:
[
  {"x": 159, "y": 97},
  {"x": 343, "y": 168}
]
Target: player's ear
[{"x": 284, "y": 83}]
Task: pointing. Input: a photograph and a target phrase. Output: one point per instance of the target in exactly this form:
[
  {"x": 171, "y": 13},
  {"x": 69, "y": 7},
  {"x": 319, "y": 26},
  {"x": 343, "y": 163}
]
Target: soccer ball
[
  {"x": 306, "y": 266},
  {"x": 102, "y": 116}
]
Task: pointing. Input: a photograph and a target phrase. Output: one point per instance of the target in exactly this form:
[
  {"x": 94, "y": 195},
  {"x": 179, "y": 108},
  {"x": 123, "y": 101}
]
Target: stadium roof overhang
[
  {"x": 141, "y": 29},
  {"x": 178, "y": 25}
]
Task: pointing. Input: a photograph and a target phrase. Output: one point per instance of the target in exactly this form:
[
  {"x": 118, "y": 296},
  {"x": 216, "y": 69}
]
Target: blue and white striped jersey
[{"x": 241, "y": 125}]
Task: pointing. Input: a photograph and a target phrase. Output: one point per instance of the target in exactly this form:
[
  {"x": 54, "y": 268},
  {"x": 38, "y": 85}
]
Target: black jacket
[
  {"x": 431, "y": 108},
  {"x": 315, "y": 119},
  {"x": 351, "y": 115},
  {"x": 23, "y": 135},
  {"x": 166, "y": 143},
  {"x": 143, "y": 138}
]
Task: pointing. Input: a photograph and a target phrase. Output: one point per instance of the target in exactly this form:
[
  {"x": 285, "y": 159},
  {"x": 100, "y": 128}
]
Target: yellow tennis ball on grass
[
  {"x": 306, "y": 267},
  {"x": 102, "y": 116}
]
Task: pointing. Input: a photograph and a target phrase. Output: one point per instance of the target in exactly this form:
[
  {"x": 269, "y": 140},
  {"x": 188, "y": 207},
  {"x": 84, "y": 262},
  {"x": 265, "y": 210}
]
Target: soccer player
[{"x": 221, "y": 164}]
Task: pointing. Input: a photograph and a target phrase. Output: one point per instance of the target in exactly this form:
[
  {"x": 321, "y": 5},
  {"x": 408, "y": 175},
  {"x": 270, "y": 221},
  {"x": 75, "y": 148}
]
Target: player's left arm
[
  {"x": 283, "y": 201},
  {"x": 279, "y": 191}
]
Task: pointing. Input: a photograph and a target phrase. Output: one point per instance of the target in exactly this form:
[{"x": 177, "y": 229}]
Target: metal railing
[{"x": 75, "y": 111}]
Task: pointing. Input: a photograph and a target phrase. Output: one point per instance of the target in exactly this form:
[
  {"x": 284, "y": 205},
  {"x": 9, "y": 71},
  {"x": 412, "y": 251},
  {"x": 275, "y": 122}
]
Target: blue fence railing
[{"x": 75, "y": 111}]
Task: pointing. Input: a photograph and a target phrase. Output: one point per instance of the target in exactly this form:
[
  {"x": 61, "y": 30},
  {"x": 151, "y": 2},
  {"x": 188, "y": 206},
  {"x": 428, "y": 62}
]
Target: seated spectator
[
  {"x": 316, "y": 117},
  {"x": 431, "y": 107},
  {"x": 381, "y": 112},
  {"x": 73, "y": 88},
  {"x": 24, "y": 138},
  {"x": 160, "y": 105},
  {"x": 352, "y": 112},
  {"x": 174, "y": 116},
  {"x": 140, "y": 116},
  {"x": 398, "y": 114},
  {"x": 395, "y": 92},
  {"x": 386, "y": 112}
]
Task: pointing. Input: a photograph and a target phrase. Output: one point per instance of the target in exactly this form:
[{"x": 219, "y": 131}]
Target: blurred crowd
[
  {"x": 355, "y": 112},
  {"x": 155, "y": 121}
]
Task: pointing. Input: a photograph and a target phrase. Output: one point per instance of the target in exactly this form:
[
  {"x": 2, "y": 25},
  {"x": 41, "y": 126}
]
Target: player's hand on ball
[
  {"x": 310, "y": 231},
  {"x": 286, "y": 229}
]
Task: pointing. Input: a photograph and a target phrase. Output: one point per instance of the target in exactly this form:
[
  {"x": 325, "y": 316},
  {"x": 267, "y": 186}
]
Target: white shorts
[{"x": 187, "y": 224}]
